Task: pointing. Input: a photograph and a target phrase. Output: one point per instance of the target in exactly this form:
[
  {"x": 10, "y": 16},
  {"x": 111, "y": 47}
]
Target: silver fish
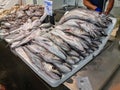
[
  {"x": 54, "y": 74},
  {"x": 45, "y": 25},
  {"x": 43, "y": 66},
  {"x": 58, "y": 41},
  {"x": 50, "y": 46},
  {"x": 62, "y": 68},
  {"x": 71, "y": 40},
  {"x": 72, "y": 60},
  {"x": 43, "y": 53},
  {"x": 33, "y": 34},
  {"x": 73, "y": 53},
  {"x": 17, "y": 37},
  {"x": 77, "y": 14},
  {"x": 37, "y": 61}
]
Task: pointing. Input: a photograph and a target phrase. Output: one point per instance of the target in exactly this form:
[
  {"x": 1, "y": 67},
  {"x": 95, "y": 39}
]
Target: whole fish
[
  {"x": 62, "y": 68},
  {"x": 88, "y": 27},
  {"x": 77, "y": 14},
  {"x": 43, "y": 53},
  {"x": 58, "y": 41},
  {"x": 33, "y": 34},
  {"x": 73, "y": 53},
  {"x": 103, "y": 17},
  {"x": 77, "y": 31},
  {"x": 37, "y": 61},
  {"x": 72, "y": 60},
  {"x": 50, "y": 46},
  {"x": 43, "y": 66},
  {"x": 17, "y": 37},
  {"x": 50, "y": 71},
  {"x": 72, "y": 41}
]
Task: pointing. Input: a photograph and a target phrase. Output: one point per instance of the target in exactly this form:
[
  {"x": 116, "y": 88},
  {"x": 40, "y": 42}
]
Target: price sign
[{"x": 48, "y": 7}]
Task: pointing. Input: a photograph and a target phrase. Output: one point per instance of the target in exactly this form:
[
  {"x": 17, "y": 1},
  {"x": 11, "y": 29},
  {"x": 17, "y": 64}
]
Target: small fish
[{"x": 45, "y": 25}]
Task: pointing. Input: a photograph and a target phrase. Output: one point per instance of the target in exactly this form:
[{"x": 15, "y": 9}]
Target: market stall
[{"x": 55, "y": 52}]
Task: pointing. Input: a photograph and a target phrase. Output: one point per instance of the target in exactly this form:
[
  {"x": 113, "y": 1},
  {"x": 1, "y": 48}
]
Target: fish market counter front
[
  {"x": 54, "y": 53},
  {"x": 28, "y": 74}
]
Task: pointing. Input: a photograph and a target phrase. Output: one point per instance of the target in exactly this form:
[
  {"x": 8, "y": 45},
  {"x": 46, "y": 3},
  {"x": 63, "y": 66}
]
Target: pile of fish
[
  {"x": 14, "y": 20},
  {"x": 8, "y": 11},
  {"x": 57, "y": 50}
]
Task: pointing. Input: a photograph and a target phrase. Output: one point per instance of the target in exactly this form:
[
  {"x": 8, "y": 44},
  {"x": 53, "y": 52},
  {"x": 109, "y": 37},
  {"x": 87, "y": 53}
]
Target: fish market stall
[{"x": 55, "y": 53}]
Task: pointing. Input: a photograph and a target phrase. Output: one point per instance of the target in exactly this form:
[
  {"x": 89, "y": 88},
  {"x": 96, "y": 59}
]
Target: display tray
[{"x": 77, "y": 67}]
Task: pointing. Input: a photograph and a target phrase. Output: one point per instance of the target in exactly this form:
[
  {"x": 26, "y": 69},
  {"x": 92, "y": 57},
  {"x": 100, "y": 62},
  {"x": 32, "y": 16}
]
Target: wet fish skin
[
  {"x": 45, "y": 25},
  {"x": 62, "y": 68},
  {"x": 72, "y": 41},
  {"x": 46, "y": 67},
  {"x": 73, "y": 53},
  {"x": 78, "y": 14},
  {"x": 44, "y": 54},
  {"x": 50, "y": 46},
  {"x": 37, "y": 61},
  {"x": 59, "y": 42},
  {"x": 33, "y": 34},
  {"x": 19, "y": 36},
  {"x": 50, "y": 72}
]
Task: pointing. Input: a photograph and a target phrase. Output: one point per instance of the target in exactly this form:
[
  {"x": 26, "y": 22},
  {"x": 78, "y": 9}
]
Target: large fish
[
  {"x": 33, "y": 34},
  {"x": 88, "y": 27},
  {"x": 58, "y": 41},
  {"x": 71, "y": 40},
  {"x": 75, "y": 31},
  {"x": 50, "y": 46},
  {"x": 43, "y": 66},
  {"x": 43, "y": 53},
  {"x": 37, "y": 61},
  {"x": 77, "y": 14},
  {"x": 49, "y": 58}
]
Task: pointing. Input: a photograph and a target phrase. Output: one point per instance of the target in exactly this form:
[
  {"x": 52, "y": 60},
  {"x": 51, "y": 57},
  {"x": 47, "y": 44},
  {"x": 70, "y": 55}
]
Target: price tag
[{"x": 48, "y": 7}]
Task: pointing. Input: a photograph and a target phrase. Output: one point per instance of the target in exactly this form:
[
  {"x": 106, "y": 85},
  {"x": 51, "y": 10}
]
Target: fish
[
  {"x": 51, "y": 58},
  {"x": 43, "y": 66},
  {"x": 77, "y": 31},
  {"x": 82, "y": 15},
  {"x": 71, "y": 40},
  {"x": 58, "y": 41},
  {"x": 43, "y": 53},
  {"x": 50, "y": 71},
  {"x": 88, "y": 27},
  {"x": 50, "y": 46},
  {"x": 72, "y": 60},
  {"x": 33, "y": 34},
  {"x": 62, "y": 68},
  {"x": 16, "y": 37},
  {"x": 37, "y": 61},
  {"x": 45, "y": 25},
  {"x": 73, "y": 53}
]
